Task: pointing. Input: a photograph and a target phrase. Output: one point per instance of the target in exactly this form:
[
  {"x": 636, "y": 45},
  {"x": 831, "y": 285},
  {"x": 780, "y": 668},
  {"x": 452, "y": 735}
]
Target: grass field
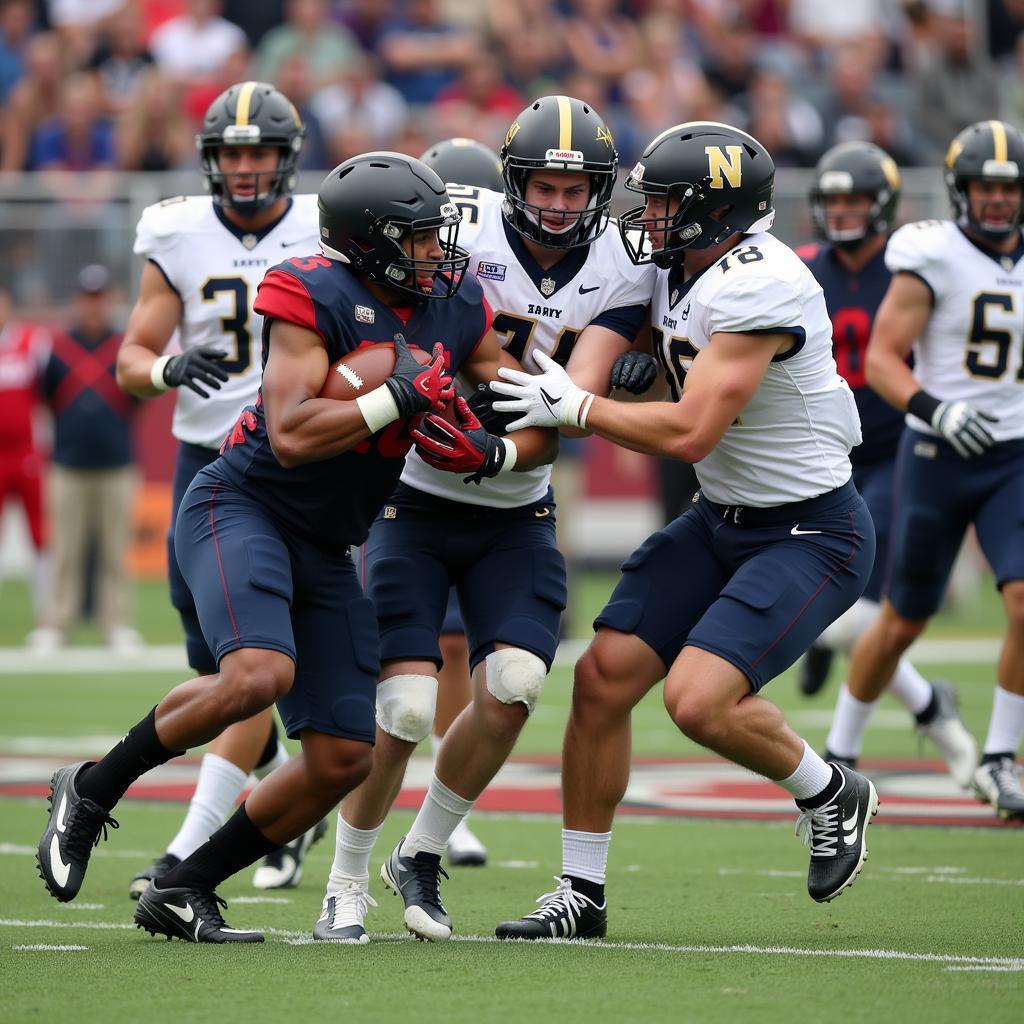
[{"x": 710, "y": 920}]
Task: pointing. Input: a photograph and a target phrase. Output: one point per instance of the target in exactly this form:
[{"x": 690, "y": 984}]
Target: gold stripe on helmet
[
  {"x": 564, "y": 122},
  {"x": 998, "y": 140},
  {"x": 244, "y": 100}
]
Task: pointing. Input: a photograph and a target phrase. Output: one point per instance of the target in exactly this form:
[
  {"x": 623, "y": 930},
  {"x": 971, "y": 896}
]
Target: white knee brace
[
  {"x": 406, "y": 705},
  {"x": 515, "y": 676}
]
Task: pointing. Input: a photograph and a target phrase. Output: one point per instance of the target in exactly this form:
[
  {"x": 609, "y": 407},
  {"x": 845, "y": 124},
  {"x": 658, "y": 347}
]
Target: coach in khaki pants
[{"x": 92, "y": 482}]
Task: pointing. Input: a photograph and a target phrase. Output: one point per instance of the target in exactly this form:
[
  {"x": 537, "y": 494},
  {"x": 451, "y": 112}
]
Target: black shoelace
[
  {"x": 206, "y": 903},
  {"x": 428, "y": 881},
  {"x": 87, "y": 824}
]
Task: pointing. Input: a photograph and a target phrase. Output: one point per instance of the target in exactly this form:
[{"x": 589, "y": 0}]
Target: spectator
[
  {"x": 295, "y": 81},
  {"x": 481, "y": 103},
  {"x": 324, "y": 46},
  {"x": 1005, "y": 28},
  {"x": 602, "y": 42},
  {"x": 92, "y": 485},
  {"x": 822, "y": 26},
  {"x": 77, "y": 23},
  {"x": 121, "y": 60},
  {"x": 198, "y": 43},
  {"x": 17, "y": 19},
  {"x": 35, "y": 98},
  {"x": 531, "y": 34},
  {"x": 731, "y": 59},
  {"x": 787, "y": 126},
  {"x": 154, "y": 134},
  {"x": 254, "y": 19},
  {"x": 77, "y": 139},
  {"x": 368, "y": 21}
]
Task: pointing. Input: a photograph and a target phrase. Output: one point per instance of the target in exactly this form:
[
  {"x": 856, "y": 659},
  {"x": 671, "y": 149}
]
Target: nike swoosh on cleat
[
  {"x": 587, "y": 291},
  {"x": 851, "y": 838},
  {"x": 62, "y": 813},
  {"x": 186, "y": 913},
  {"x": 60, "y": 870},
  {"x": 849, "y": 824},
  {"x": 797, "y": 532}
]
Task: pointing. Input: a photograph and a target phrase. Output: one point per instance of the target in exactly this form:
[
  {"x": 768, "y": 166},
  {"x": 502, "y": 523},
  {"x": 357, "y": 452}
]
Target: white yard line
[{"x": 44, "y": 948}]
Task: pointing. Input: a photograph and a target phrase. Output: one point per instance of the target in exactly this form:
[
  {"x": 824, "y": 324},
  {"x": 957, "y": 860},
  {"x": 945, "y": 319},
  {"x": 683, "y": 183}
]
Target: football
[{"x": 360, "y": 371}]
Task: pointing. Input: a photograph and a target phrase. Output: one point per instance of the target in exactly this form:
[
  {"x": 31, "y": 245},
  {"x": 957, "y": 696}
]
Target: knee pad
[
  {"x": 406, "y": 706},
  {"x": 844, "y": 632},
  {"x": 515, "y": 676}
]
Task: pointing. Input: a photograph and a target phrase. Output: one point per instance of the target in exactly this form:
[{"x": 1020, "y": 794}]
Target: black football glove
[
  {"x": 466, "y": 448},
  {"x": 194, "y": 367},
  {"x": 481, "y": 404},
  {"x": 417, "y": 388},
  {"x": 634, "y": 372}
]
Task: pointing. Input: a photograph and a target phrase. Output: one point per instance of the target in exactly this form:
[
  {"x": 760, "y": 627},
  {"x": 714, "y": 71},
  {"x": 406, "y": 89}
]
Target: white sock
[
  {"x": 842, "y": 634},
  {"x": 812, "y": 775},
  {"x": 1006, "y": 726},
  {"x": 280, "y": 757},
  {"x": 910, "y": 688},
  {"x": 352, "y": 849},
  {"x": 218, "y": 788},
  {"x": 848, "y": 724},
  {"x": 40, "y": 583},
  {"x": 585, "y": 854},
  {"x": 441, "y": 812}
]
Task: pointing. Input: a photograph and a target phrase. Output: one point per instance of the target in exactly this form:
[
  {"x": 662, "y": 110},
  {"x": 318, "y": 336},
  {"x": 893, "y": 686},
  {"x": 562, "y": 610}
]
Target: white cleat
[
  {"x": 465, "y": 849},
  {"x": 947, "y": 731},
  {"x": 282, "y": 868},
  {"x": 343, "y": 914}
]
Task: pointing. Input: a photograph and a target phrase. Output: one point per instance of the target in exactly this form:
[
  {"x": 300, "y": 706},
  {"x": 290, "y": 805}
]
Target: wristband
[
  {"x": 923, "y": 406},
  {"x": 156, "y": 373},
  {"x": 511, "y": 454},
  {"x": 378, "y": 408}
]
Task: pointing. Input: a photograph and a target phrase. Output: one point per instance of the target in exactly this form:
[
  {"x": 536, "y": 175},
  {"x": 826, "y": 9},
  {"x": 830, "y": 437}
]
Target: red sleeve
[
  {"x": 807, "y": 252},
  {"x": 283, "y": 297}
]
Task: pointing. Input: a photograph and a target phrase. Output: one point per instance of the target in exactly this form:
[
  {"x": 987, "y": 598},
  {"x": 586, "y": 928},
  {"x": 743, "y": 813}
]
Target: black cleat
[
  {"x": 189, "y": 914},
  {"x": 814, "y": 668},
  {"x": 76, "y": 825},
  {"x": 835, "y": 834},
  {"x": 418, "y": 881},
  {"x": 999, "y": 783},
  {"x": 564, "y": 914},
  {"x": 846, "y": 762},
  {"x": 140, "y": 882},
  {"x": 282, "y": 868}
]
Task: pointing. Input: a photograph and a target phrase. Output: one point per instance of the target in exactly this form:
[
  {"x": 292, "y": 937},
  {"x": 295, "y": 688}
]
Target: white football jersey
[
  {"x": 792, "y": 440},
  {"x": 973, "y": 347},
  {"x": 215, "y": 268},
  {"x": 534, "y": 309}
]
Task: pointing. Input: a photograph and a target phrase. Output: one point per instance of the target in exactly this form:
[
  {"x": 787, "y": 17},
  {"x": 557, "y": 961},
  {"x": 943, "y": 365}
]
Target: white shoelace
[
  {"x": 351, "y": 905},
  {"x": 564, "y": 900},
  {"x": 818, "y": 828}
]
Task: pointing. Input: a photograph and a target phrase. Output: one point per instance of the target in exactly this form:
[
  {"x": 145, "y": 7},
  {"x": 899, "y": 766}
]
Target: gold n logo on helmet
[
  {"x": 727, "y": 164},
  {"x": 512, "y": 132}
]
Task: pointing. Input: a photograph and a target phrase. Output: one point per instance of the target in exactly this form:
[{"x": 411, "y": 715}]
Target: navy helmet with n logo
[
  {"x": 856, "y": 168},
  {"x": 722, "y": 179},
  {"x": 251, "y": 114},
  {"x": 985, "y": 151}
]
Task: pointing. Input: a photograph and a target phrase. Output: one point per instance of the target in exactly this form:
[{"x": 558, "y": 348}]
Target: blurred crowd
[{"x": 103, "y": 84}]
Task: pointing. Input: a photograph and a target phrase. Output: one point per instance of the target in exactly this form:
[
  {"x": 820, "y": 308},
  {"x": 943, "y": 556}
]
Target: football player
[
  {"x": 264, "y": 532},
  {"x": 853, "y": 202},
  {"x": 778, "y": 545},
  {"x": 955, "y": 301},
  {"x": 559, "y": 284},
  {"x": 205, "y": 255}
]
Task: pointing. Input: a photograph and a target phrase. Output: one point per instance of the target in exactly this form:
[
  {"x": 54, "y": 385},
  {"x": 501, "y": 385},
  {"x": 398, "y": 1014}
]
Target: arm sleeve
[
  {"x": 625, "y": 320},
  {"x": 282, "y": 296}
]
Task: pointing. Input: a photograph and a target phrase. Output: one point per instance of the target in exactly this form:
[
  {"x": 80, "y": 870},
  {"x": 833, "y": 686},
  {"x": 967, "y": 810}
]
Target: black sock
[
  {"x": 108, "y": 780},
  {"x": 992, "y": 758},
  {"x": 927, "y": 716},
  {"x": 235, "y": 845},
  {"x": 271, "y": 748},
  {"x": 830, "y": 792},
  {"x": 594, "y": 891}
]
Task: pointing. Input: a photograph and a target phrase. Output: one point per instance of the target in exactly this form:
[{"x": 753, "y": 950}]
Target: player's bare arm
[
  {"x": 902, "y": 318},
  {"x": 157, "y": 312}
]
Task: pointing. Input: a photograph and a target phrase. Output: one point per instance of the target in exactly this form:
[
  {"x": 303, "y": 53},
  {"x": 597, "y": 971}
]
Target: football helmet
[
  {"x": 250, "y": 114},
  {"x": 723, "y": 179},
  {"x": 465, "y": 162},
  {"x": 856, "y": 168},
  {"x": 371, "y": 203},
  {"x": 558, "y": 133},
  {"x": 986, "y": 151}
]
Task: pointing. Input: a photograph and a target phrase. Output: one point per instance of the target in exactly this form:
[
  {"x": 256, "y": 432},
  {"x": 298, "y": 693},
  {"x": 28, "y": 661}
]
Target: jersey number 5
[
  {"x": 236, "y": 324},
  {"x": 984, "y": 361}
]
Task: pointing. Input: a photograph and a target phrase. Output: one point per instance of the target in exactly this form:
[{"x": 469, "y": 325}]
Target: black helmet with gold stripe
[
  {"x": 251, "y": 114},
  {"x": 558, "y": 133},
  {"x": 465, "y": 162},
  {"x": 985, "y": 151},
  {"x": 862, "y": 169}
]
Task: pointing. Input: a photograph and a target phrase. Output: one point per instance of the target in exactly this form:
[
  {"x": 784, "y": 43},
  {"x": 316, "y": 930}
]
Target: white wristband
[
  {"x": 156, "y": 373},
  {"x": 378, "y": 408},
  {"x": 576, "y": 405},
  {"x": 511, "y": 454}
]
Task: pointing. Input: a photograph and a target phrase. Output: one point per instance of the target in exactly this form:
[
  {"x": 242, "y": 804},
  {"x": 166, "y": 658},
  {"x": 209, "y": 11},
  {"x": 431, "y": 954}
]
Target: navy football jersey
[
  {"x": 332, "y": 502},
  {"x": 853, "y": 300}
]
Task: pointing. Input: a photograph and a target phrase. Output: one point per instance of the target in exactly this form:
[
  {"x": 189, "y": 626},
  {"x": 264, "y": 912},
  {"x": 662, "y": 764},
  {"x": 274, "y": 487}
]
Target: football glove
[
  {"x": 196, "y": 367},
  {"x": 481, "y": 404},
  {"x": 964, "y": 427},
  {"x": 546, "y": 399},
  {"x": 417, "y": 388},
  {"x": 634, "y": 372},
  {"x": 465, "y": 448}
]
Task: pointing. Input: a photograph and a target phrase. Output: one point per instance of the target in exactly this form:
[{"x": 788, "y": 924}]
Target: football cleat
[
  {"x": 464, "y": 849},
  {"x": 814, "y": 668},
  {"x": 835, "y": 834},
  {"x": 418, "y": 881},
  {"x": 946, "y": 730},
  {"x": 140, "y": 882},
  {"x": 282, "y": 868},
  {"x": 846, "y": 762},
  {"x": 564, "y": 914},
  {"x": 999, "y": 783},
  {"x": 76, "y": 825},
  {"x": 343, "y": 914},
  {"x": 190, "y": 914}
]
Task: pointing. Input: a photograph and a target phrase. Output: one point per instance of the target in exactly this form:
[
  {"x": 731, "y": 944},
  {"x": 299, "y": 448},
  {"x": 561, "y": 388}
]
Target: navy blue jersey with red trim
[
  {"x": 332, "y": 502},
  {"x": 853, "y": 300}
]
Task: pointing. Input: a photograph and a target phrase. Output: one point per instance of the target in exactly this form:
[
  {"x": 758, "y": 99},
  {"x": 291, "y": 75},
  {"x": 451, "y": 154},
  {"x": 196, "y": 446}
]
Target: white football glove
[
  {"x": 964, "y": 428},
  {"x": 545, "y": 399}
]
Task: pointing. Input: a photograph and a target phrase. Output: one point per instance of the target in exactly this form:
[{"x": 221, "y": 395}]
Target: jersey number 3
[{"x": 236, "y": 324}]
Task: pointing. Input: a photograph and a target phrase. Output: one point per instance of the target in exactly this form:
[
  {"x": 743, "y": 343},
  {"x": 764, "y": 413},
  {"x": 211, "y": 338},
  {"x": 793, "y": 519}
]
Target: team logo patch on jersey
[
  {"x": 491, "y": 271},
  {"x": 390, "y": 512},
  {"x": 547, "y": 286},
  {"x": 926, "y": 449},
  {"x": 365, "y": 314},
  {"x": 250, "y": 241}
]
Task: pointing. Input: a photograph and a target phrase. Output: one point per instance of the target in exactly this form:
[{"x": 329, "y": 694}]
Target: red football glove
[
  {"x": 466, "y": 448},
  {"x": 417, "y": 388}
]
